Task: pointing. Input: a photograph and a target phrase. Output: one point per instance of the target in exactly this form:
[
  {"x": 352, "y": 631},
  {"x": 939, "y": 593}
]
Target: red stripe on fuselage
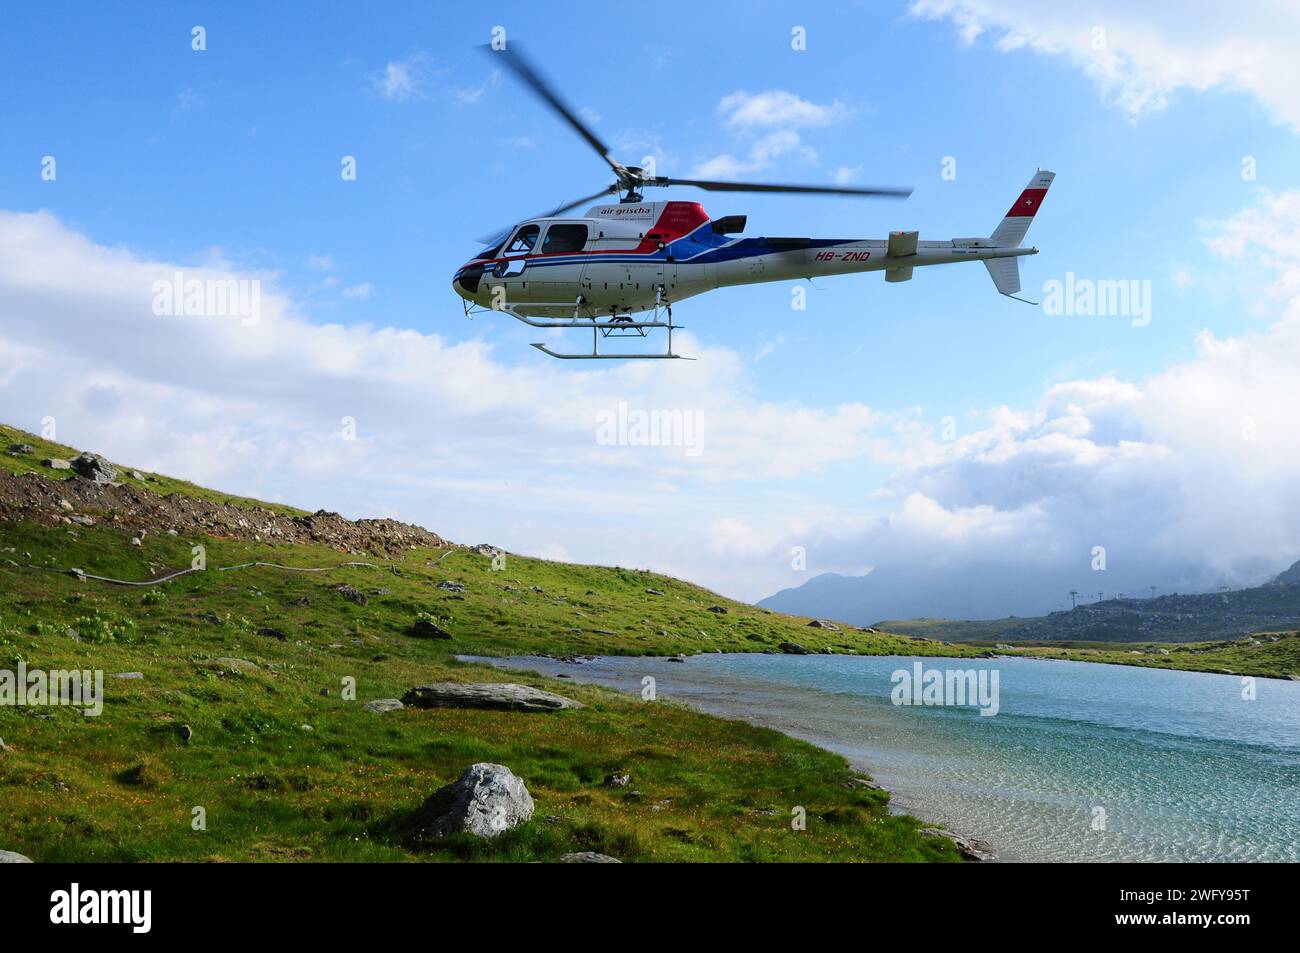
[{"x": 1027, "y": 204}]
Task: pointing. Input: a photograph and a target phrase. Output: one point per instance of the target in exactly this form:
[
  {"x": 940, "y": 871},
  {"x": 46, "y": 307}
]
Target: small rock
[
  {"x": 307, "y": 728},
  {"x": 65, "y": 505},
  {"x": 272, "y": 633},
  {"x": 325, "y": 692},
  {"x": 237, "y": 664},
  {"x": 22, "y": 449},
  {"x": 381, "y": 705},
  {"x": 426, "y": 629},
  {"x": 185, "y": 732},
  {"x": 487, "y": 800},
  {"x": 617, "y": 780},
  {"x": 351, "y": 593},
  {"x": 304, "y": 601},
  {"x": 793, "y": 648},
  {"x": 135, "y": 541},
  {"x": 9, "y": 857},
  {"x": 451, "y": 585},
  {"x": 135, "y": 475},
  {"x": 55, "y": 464},
  {"x": 132, "y": 675},
  {"x": 822, "y": 624},
  {"x": 721, "y": 610},
  {"x": 654, "y": 592},
  {"x": 588, "y": 857},
  {"x": 866, "y": 783}
]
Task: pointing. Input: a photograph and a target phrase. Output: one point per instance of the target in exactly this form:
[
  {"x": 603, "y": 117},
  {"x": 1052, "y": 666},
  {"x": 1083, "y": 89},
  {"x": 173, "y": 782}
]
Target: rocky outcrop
[
  {"x": 94, "y": 468},
  {"x": 487, "y": 800},
  {"x": 501, "y": 696},
  {"x": 136, "y": 509}
]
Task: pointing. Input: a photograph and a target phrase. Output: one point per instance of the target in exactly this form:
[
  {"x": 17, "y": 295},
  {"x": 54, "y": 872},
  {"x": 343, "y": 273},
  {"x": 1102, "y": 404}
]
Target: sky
[{"x": 924, "y": 425}]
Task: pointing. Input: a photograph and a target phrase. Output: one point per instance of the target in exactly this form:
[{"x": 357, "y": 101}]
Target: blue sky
[{"x": 232, "y": 155}]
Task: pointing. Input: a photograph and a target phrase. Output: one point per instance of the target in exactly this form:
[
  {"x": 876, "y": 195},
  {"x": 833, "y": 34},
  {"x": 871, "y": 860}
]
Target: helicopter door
[{"x": 512, "y": 272}]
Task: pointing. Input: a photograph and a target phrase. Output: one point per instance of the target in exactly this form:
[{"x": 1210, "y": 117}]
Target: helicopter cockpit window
[
  {"x": 564, "y": 238},
  {"x": 524, "y": 241}
]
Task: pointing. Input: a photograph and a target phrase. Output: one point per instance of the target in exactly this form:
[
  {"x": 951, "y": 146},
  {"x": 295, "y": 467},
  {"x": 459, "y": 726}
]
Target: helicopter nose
[{"x": 467, "y": 280}]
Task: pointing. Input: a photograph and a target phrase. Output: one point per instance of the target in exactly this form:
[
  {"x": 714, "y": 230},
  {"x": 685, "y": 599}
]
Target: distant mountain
[
  {"x": 1271, "y": 607},
  {"x": 965, "y": 604},
  {"x": 907, "y": 591}
]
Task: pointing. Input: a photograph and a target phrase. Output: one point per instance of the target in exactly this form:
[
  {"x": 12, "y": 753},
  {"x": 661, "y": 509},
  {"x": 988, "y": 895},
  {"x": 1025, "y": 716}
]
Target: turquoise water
[{"x": 1081, "y": 762}]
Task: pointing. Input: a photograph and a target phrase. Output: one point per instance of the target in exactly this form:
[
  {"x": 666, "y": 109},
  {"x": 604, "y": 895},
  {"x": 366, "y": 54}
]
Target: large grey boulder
[
  {"x": 9, "y": 857},
  {"x": 95, "y": 468},
  {"x": 487, "y": 800},
  {"x": 501, "y": 696}
]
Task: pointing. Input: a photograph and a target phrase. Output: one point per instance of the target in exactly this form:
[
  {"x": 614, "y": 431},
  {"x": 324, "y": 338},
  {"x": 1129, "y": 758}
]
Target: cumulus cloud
[
  {"x": 1140, "y": 54},
  {"x": 448, "y": 433},
  {"x": 1187, "y": 478},
  {"x": 777, "y": 108},
  {"x": 768, "y": 123}
]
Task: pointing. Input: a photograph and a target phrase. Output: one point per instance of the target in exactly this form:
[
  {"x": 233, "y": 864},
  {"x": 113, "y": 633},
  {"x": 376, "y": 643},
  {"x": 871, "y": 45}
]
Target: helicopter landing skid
[{"x": 616, "y": 326}]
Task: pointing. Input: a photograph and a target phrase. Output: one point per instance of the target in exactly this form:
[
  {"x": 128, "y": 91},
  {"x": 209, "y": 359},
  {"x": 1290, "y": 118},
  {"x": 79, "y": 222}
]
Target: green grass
[
  {"x": 158, "y": 483},
  {"x": 121, "y": 787},
  {"x": 1265, "y": 654}
]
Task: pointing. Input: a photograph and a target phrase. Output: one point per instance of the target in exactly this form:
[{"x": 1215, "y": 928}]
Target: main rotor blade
[
  {"x": 521, "y": 67},
  {"x": 774, "y": 187},
  {"x": 608, "y": 190},
  {"x": 502, "y": 233}
]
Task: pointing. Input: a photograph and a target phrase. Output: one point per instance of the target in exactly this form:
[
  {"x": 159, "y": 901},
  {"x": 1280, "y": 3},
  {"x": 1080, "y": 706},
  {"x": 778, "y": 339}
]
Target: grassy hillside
[{"x": 286, "y": 767}]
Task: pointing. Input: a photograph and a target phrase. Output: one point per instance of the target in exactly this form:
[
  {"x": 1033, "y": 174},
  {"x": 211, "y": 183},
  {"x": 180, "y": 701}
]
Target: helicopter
[{"x": 617, "y": 269}]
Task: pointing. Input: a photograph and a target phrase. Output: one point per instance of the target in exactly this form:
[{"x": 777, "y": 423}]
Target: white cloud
[
  {"x": 320, "y": 262},
  {"x": 399, "y": 80},
  {"x": 448, "y": 434},
  {"x": 763, "y": 152},
  {"x": 1140, "y": 54},
  {"x": 359, "y": 292},
  {"x": 778, "y": 108}
]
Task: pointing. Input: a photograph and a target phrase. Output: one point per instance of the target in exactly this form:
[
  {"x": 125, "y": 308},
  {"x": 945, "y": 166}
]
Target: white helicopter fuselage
[{"x": 627, "y": 258}]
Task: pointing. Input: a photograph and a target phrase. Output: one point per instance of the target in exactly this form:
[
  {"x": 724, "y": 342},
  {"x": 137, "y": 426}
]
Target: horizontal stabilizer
[
  {"x": 902, "y": 244},
  {"x": 1005, "y": 273},
  {"x": 899, "y": 274}
]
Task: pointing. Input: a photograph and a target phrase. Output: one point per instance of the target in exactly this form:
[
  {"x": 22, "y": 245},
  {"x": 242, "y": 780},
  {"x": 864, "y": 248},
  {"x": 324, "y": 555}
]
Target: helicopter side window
[
  {"x": 524, "y": 241},
  {"x": 561, "y": 239}
]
